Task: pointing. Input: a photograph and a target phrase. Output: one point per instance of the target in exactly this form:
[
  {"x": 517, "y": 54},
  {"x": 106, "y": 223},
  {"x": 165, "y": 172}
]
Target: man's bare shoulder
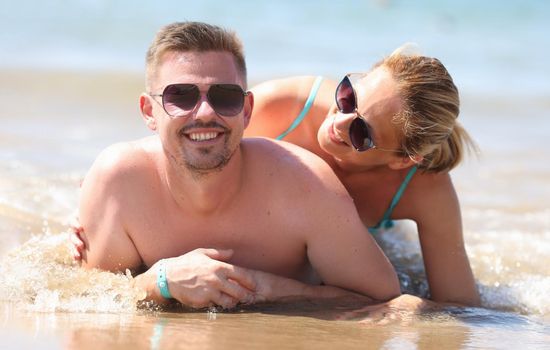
[
  {"x": 124, "y": 157},
  {"x": 293, "y": 166},
  {"x": 124, "y": 163}
]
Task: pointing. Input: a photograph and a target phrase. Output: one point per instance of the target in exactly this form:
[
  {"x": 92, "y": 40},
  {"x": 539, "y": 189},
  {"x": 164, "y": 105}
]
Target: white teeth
[{"x": 202, "y": 136}]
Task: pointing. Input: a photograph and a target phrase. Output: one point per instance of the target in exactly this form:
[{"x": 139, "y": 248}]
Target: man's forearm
[
  {"x": 269, "y": 288},
  {"x": 274, "y": 288}
]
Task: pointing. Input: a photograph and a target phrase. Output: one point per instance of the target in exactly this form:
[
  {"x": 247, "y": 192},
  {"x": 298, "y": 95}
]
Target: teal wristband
[{"x": 162, "y": 283}]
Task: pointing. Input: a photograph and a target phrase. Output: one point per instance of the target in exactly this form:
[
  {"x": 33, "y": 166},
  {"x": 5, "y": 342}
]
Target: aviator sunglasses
[
  {"x": 360, "y": 133},
  {"x": 179, "y": 100}
]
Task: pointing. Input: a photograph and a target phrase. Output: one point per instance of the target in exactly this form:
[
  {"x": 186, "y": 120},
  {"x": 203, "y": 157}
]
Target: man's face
[{"x": 202, "y": 141}]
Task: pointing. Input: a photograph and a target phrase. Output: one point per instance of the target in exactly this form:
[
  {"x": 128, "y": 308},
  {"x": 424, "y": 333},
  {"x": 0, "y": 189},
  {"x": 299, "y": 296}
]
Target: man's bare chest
[{"x": 261, "y": 239}]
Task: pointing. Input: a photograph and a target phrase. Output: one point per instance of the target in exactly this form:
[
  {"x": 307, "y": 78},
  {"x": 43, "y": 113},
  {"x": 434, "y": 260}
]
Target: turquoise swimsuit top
[
  {"x": 386, "y": 221},
  {"x": 307, "y": 106}
]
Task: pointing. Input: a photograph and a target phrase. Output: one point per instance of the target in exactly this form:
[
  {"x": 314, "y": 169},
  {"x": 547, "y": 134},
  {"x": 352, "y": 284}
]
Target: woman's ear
[
  {"x": 147, "y": 111},
  {"x": 403, "y": 162},
  {"x": 248, "y": 107}
]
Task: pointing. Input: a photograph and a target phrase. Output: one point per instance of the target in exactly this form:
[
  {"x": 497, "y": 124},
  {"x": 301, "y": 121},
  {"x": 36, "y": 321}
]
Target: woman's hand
[{"x": 77, "y": 244}]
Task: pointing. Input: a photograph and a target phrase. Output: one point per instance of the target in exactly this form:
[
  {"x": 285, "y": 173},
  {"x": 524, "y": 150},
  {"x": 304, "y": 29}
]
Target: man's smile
[{"x": 203, "y": 136}]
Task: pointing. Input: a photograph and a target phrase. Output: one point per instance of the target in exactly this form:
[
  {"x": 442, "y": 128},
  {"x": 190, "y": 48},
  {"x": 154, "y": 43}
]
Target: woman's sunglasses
[
  {"x": 360, "y": 133},
  {"x": 179, "y": 100}
]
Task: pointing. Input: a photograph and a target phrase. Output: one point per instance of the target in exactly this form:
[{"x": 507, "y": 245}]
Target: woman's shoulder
[
  {"x": 288, "y": 93},
  {"x": 430, "y": 182},
  {"x": 278, "y": 102},
  {"x": 287, "y": 87},
  {"x": 429, "y": 192}
]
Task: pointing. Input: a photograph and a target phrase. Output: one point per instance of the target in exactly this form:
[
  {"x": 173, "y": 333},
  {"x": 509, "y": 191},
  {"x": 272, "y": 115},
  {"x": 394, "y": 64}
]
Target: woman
[{"x": 392, "y": 137}]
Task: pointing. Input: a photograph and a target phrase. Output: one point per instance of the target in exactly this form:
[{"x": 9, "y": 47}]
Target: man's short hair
[{"x": 193, "y": 36}]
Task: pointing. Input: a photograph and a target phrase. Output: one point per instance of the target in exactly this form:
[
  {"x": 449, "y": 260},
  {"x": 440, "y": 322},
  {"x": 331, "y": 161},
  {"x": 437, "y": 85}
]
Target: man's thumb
[{"x": 219, "y": 254}]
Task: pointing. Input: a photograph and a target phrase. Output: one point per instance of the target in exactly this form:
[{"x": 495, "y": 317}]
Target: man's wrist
[{"x": 162, "y": 281}]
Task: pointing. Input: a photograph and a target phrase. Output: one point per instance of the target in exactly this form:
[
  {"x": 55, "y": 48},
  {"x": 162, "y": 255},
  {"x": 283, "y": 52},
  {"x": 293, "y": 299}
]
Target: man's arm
[
  {"x": 345, "y": 255},
  {"x": 260, "y": 286},
  {"x": 339, "y": 246},
  {"x": 103, "y": 194}
]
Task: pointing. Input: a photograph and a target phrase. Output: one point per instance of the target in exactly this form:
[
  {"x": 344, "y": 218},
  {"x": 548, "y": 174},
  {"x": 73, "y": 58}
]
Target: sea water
[{"x": 70, "y": 76}]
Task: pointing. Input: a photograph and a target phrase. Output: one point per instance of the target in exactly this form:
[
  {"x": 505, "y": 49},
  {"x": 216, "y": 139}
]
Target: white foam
[
  {"x": 527, "y": 294},
  {"x": 41, "y": 276}
]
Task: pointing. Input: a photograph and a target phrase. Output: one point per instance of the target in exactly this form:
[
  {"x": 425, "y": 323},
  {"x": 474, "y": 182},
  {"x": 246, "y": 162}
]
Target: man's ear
[
  {"x": 403, "y": 162},
  {"x": 146, "y": 109},
  {"x": 248, "y": 107}
]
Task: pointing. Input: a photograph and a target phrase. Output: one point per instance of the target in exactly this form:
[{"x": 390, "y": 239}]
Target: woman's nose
[{"x": 343, "y": 121}]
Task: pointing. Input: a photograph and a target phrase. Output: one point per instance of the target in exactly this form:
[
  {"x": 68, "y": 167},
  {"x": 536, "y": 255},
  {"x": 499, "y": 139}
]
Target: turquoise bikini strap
[
  {"x": 399, "y": 193},
  {"x": 306, "y": 108}
]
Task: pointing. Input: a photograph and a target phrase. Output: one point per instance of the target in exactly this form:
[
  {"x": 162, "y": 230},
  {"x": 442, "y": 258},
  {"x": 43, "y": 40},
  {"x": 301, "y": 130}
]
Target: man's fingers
[
  {"x": 218, "y": 254},
  {"x": 236, "y": 291},
  {"x": 224, "y": 300},
  {"x": 242, "y": 276}
]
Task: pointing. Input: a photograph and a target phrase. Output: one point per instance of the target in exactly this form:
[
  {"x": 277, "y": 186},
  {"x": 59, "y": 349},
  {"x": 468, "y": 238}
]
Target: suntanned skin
[
  {"x": 372, "y": 177},
  {"x": 273, "y": 207}
]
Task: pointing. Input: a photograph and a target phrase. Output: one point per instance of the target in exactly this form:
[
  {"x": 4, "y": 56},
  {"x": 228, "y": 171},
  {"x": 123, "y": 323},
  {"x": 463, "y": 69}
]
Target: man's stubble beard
[
  {"x": 206, "y": 162},
  {"x": 216, "y": 164}
]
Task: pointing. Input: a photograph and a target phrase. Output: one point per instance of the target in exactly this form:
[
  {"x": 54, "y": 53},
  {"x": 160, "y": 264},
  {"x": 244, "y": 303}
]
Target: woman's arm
[{"x": 439, "y": 224}]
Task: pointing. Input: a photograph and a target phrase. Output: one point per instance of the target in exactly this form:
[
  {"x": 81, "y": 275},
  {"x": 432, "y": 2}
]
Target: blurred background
[{"x": 488, "y": 46}]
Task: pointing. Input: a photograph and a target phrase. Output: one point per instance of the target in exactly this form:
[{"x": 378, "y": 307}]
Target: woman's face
[{"x": 377, "y": 102}]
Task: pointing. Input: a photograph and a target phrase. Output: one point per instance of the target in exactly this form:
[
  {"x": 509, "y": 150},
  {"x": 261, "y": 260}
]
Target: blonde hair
[
  {"x": 193, "y": 36},
  {"x": 429, "y": 111}
]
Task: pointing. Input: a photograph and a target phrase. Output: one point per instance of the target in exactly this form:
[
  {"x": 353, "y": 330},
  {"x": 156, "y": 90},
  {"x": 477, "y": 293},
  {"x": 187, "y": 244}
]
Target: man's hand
[{"x": 201, "y": 278}]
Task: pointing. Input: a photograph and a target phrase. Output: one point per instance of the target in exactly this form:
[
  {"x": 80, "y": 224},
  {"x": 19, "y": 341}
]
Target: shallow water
[
  {"x": 59, "y": 109},
  {"x": 270, "y": 330}
]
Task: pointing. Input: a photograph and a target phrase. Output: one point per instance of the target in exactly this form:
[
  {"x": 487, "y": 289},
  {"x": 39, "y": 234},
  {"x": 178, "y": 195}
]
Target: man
[{"x": 216, "y": 219}]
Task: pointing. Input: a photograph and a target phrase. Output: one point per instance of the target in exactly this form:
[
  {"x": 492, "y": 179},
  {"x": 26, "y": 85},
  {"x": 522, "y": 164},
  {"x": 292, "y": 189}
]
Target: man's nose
[{"x": 203, "y": 110}]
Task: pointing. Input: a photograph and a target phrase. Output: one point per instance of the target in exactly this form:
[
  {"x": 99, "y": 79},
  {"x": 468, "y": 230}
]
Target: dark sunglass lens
[
  {"x": 359, "y": 135},
  {"x": 226, "y": 99},
  {"x": 345, "y": 97},
  {"x": 180, "y": 99}
]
